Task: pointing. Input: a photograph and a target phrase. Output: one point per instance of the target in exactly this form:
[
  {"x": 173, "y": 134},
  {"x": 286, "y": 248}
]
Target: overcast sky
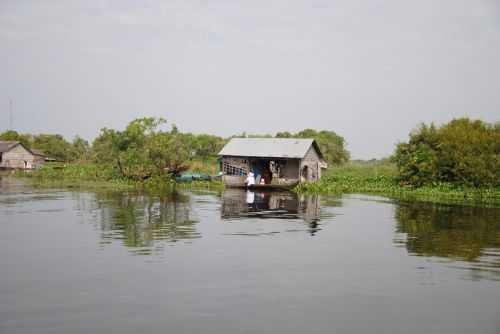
[{"x": 370, "y": 70}]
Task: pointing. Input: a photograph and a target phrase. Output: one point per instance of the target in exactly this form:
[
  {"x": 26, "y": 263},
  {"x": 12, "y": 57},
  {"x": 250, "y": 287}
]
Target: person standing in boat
[{"x": 250, "y": 180}]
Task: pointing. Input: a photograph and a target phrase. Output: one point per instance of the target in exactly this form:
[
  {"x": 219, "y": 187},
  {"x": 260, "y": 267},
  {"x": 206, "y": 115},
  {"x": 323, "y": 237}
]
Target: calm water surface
[{"x": 236, "y": 262}]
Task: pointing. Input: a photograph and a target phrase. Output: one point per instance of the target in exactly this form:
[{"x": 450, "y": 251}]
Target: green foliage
[
  {"x": 462, "y": 152},
  {"x": 80, "y": 150},
  {"x": 142, "y": 150},
  {"x": 105, "y": 148},
  {"x": 331, "y": 144},
  {"x": 168, "y": 152},
  {"x": 12, "y": 135},
  {"x": 208, "y": 166},
  {"x": 78, "y": 175},
  {"x": 380, "y": 177},
  {"x": 204, "y": 146},
  {"x": 55, "y": 146}
]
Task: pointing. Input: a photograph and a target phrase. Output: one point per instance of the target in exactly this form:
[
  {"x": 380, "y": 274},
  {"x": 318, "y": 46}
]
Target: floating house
[
  {"x": 275, "y": 162},
  {"x": 14, "y": 155}
]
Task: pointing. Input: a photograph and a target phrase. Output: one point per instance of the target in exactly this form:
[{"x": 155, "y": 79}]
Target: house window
[{"x": 229, "y": 169}]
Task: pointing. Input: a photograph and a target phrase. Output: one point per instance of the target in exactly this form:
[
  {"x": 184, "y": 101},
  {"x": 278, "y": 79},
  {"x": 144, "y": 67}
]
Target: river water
[{"x": 237, "y": 262}]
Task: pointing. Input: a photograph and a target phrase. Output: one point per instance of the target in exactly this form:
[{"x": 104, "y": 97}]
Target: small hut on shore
[
  {"x": 275, "y": 162},
  {"x": 14, "y": 155}
]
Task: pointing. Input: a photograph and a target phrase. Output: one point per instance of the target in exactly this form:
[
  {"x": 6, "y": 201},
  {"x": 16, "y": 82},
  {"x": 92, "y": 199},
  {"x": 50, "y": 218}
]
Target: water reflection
[
  {"x": 470, "y": 235},
  {"x": 144, "y": 223},
  {"x": 238, "y": 204}
]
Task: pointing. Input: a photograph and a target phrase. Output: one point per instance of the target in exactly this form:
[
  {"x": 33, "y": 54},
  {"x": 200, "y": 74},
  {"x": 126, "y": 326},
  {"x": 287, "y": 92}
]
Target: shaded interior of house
[{"x": 265, "y": 170}]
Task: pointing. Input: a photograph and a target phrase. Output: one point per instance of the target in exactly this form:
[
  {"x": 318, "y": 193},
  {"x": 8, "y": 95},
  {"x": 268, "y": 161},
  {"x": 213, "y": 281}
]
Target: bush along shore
[{"x": 107, "y": 177}]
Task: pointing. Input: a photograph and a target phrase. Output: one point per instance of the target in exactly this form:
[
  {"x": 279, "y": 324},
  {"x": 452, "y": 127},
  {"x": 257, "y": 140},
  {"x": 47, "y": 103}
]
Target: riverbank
[
  {"x": 94, "y": 176},
  {"x": 372, "y": 177},
  {"x": 378, "y": 178}
]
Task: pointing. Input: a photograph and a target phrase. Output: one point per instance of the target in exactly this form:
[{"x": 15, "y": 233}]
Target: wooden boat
[
  {"x": 271, "y": 186},
  {"x": 239, "y": 182},
  {"x": 287, "y": 186}
]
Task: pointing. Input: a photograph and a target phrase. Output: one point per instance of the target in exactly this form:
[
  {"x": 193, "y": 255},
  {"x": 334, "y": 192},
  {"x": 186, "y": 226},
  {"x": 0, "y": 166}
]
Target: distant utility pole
[{"x": 10, "y": 114}]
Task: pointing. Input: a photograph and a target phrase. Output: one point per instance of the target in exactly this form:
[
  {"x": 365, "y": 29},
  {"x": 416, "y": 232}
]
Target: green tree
[
  {"x": 12, "y": 135},
  {"x": 105, "y": 148},
  {"x": 284, "y": 134},
  {"x": 142, "y": 149},
  {"x": 205, "y": 146},
  {"x": 463, "y": 151},
  {"x": 331, "y": 144},
  {"x": 54, "y": 146},
  {"x": 169, "y": 152},
  {"x": 80, "y": 149}
]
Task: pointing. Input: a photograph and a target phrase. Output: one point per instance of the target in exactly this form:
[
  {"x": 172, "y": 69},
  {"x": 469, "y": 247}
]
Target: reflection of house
[
  {"x": 279, "y": 161},
  {"x": 14, "y": 155},
  {"x": 238, "y": 203}
]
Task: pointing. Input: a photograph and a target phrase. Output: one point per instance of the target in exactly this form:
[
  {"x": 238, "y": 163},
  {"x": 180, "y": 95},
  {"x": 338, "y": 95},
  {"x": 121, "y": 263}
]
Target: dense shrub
[{"x": 462, "y": 152}]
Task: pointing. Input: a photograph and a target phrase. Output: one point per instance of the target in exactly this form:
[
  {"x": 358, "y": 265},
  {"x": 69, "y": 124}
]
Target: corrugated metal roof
[
  {"x": 268, "y": 147},
  {"x": 36, "y": 151},
  {"x": 7, "y": 145}
]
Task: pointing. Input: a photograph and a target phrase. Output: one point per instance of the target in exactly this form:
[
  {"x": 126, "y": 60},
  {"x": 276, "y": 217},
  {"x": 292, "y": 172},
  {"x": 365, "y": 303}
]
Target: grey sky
[{"x": 369, "y": 70}]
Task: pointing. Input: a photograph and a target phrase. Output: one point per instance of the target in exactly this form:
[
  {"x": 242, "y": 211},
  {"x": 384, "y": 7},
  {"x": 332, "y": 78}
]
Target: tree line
[
  {"x": 147, "y": 147},
  {"x": 462, "y": 151}
]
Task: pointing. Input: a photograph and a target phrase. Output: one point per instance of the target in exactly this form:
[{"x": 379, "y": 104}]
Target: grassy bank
[
  {"x": 378, "y": 178},
  {"x": 374, "y": 177},
  {"x": 94, "y": 176}
]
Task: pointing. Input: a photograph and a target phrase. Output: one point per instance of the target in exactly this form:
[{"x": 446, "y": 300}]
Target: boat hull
[{"x": 239, "y": 182}]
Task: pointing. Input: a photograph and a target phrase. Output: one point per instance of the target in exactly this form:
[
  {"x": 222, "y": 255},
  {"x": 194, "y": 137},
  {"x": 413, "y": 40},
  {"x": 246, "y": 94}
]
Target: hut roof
[
  {"x": 36, "y": 151},
  {"x": 269, "y": 147},
  {"x": 5, "y": 146}
]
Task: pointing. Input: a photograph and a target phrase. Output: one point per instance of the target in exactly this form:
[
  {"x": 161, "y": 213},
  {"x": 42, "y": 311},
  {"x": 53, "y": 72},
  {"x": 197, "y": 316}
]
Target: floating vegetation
[{"x": 379, "y": 178}]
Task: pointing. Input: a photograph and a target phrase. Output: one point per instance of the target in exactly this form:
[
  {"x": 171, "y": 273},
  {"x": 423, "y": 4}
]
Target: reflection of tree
[
  {"x": 142, "y": 221},
  {"x": 462, "y": 233}
]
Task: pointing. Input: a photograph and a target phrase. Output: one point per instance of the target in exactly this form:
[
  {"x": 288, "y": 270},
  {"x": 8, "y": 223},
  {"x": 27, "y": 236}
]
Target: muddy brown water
[{"x": 241, "y": 262}]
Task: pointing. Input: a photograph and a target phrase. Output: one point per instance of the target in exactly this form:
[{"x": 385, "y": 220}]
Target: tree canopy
[
  {"x": 462, "y": 151},
  {"x": 145, "y": 148}
]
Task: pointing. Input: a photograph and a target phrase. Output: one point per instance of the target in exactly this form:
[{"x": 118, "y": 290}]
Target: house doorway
[{"x": 304, "y": 174}]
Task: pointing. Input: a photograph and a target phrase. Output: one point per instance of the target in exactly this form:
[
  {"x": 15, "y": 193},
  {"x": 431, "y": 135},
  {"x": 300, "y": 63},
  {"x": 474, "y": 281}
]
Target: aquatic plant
[{"x": 380, "y": 178}]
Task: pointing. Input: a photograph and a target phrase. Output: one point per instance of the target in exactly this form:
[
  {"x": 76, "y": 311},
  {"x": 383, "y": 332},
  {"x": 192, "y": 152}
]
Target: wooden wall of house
[
  {"x": 235, "y": 180},
  {"x": 20, "y": 158},
  {"x": 312, "y": 161}
]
